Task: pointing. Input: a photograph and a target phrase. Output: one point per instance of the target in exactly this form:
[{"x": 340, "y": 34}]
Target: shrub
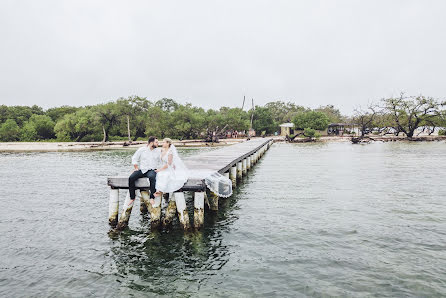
[
  {"x": 311, "y": 133},
  {"x": 38, "y": 127},
  {"x": 311, "y": 119},
  {"x": 9, "y": 131},
  {"x": 442, "y": 132},
  {"x": 29, "y": 132}
]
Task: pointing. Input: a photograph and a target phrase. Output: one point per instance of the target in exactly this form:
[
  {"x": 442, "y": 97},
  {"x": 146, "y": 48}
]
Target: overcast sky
[{"x": 211, "y": 53}]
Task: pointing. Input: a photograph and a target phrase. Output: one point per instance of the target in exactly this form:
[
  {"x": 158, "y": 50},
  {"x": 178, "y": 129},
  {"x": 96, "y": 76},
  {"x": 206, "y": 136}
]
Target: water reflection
[{"x": 170, "y": 260}]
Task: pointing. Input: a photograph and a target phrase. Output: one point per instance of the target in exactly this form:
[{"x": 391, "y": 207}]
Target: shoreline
[
  {"x": 374, "y": 138},
  {"x": 17, "y": 147},
  {"x": 96, "y": 146}
]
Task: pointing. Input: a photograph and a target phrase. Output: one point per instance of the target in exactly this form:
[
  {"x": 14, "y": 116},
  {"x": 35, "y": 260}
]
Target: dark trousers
[{"x": 151, "y": 174}]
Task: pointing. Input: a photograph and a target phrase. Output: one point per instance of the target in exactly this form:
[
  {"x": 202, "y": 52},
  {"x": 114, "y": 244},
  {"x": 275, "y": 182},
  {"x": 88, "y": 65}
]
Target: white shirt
[{"x": 147, "y": 159}]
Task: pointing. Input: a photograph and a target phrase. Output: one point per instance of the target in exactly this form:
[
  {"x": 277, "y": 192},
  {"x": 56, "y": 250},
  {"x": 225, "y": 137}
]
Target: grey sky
[{"x": 211, "y": 53}]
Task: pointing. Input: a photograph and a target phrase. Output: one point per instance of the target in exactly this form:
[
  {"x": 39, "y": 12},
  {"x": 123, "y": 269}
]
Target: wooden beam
[{"x": 143, "y": 183}]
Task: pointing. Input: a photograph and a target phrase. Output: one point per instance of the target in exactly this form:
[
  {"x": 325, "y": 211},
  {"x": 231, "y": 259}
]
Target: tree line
[
  {"x": 137, "y": 117},
  {"x": 402, "y": 115}
]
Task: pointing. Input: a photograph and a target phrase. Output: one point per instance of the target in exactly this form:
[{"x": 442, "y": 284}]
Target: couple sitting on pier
[
  {"x": 162, "y": 166},
  {"x": 167, "y": 173}
]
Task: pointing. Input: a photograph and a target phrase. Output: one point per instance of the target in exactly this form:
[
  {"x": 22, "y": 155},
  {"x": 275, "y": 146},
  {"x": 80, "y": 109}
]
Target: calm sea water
[{"x": 310, "y": 220}]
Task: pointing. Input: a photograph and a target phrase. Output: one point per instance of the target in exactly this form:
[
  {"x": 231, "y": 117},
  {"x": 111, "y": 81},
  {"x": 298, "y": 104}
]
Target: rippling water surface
[{"x": 309, "y": 220}]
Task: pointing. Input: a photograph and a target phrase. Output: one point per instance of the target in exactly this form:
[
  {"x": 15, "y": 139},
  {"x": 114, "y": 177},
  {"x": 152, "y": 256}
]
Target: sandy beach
[{"x": 89, "y": 146}]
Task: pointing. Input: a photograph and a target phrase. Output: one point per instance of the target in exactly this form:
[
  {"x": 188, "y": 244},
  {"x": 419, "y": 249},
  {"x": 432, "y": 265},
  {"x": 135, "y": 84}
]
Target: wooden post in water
[
  {"x": 113, "y": 207},
  {"x": 183, "y": 216},
  {"x": 155, "y": 213},
  {"x": 233, "y": 175},
  {"x": 125, "y": 214},
  {"x": 145, "y": 199},
  {"x": 248, "y": 163},
  {"x": 213, "y": 201},
  {"x": 142, "y": 204},
  {"x": 239, "y": 170},
  {"x": 171, "y": 210},
  {"x": 198, "y": 209},
  {"x": 244, "y": 166}
]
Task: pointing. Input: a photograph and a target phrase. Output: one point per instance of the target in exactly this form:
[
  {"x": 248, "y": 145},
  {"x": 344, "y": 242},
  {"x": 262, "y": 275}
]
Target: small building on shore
[{"x": 286, "y": 129}]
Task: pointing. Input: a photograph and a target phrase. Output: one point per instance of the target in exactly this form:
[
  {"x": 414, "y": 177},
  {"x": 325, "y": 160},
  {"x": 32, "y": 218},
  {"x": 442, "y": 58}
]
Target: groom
[{"x": 145, "y": 160}]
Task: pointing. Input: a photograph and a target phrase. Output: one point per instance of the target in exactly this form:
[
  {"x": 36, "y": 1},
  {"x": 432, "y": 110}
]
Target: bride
[{"x": 173, "y": 174}]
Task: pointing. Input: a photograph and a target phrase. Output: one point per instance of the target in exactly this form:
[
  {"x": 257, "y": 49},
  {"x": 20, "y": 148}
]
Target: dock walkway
[{"x": 233, "y": 161}]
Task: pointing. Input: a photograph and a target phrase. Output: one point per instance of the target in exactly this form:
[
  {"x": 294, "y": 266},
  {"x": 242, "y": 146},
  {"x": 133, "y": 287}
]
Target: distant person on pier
[{"x": 146, "y": 161}]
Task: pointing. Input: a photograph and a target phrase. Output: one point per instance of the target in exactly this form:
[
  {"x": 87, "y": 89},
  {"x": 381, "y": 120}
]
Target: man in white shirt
[{"x": 145, "y": 160}]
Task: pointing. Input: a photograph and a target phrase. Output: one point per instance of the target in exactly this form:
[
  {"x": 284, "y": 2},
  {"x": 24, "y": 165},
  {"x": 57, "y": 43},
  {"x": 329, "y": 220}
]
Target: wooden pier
[{"x": 233, "y": 161}]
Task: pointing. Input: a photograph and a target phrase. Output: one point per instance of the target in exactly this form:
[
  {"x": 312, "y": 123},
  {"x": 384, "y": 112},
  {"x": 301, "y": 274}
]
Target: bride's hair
[{"x": 169, "y": 141}]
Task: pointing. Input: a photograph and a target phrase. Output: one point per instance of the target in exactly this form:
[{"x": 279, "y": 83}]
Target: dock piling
[
  {"x": 244, "y": 166},
  {"x": 155, "y": 213},
  {"x": 213, "y": 201},
  {"x": 233, "y": 175},
  {"x": 113, "y": 207},
  {"x": 170, "y": 212},
  {"x": 198, "y": 209},
  {"x": 145, "y": 199},
  {"x": 239, "y": 170},
  {"x": 183, "y": 216},
  {"x": 142, "y": 203},
  {"x": 126, "y": 212}
]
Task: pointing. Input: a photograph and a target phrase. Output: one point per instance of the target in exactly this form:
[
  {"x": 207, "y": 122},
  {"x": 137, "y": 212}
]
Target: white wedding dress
[{"x": 174, "y": 176}]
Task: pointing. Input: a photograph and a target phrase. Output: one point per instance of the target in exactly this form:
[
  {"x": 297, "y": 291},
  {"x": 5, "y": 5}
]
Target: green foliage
[
  {"x": 333, "y": 114},
  {"x": 59, "y": 112},
  {"x": 4, "y": 115},
  {"x": 311, "y": 119},
  {"x": 167, "y": 104},
  {"x": 442, "y": 132},
  {"x": 283, "y": 112},
  {"x": 20, "y": 114},
  {"x": 136, "y": 118},
  {"x": 235, "y": 118},
  {"x": 186, "y": 122},
  {"x": 29, "y": 132},
  {"x": 157, "y": 122},
  {"x": 409, "y": 113},
  {"x": 263, "y": 120},
  {"x": 75, "y": 126},
  {"x": 38, "y": 127},
  {"x": 108, "y": 115},
  {"x": 9, "y": 131},
  {"x": 133, "y": 116},
  {"x": 311, "y": 133}
]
